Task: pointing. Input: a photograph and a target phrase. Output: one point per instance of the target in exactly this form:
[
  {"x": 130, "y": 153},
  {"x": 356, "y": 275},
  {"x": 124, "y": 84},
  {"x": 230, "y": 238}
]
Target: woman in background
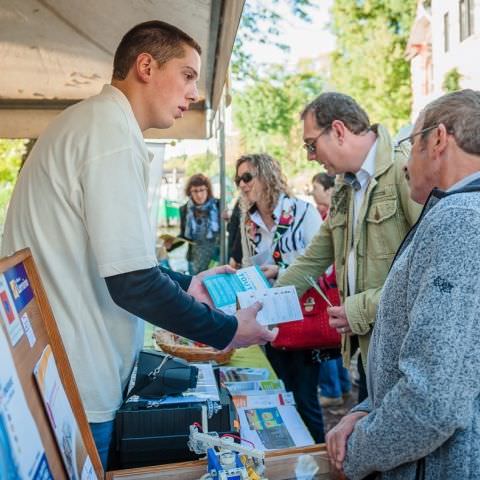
[
  {"x": 200, "y": 223},
  {"x": 276, "y": 228}
]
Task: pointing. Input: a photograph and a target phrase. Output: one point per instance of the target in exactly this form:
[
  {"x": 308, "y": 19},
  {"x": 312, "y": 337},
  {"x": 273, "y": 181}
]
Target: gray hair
[
  {"x": 460, "y": 113},
  {"x": 331, "y": 106}
]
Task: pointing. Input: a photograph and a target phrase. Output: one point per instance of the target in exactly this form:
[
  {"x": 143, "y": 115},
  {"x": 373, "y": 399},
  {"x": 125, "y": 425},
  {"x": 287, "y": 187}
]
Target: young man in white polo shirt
[{"x": 80, "y": 204}]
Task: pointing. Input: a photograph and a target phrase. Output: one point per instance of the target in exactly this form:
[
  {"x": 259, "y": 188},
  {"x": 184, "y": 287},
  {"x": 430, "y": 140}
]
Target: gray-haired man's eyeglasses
[{"x": 413, "y": 135}]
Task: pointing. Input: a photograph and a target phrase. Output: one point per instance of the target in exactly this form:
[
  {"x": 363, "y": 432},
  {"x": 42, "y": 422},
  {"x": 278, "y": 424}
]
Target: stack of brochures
[
  {"x": 267, "y": 413},
  {"x": 249, "y": 285}
]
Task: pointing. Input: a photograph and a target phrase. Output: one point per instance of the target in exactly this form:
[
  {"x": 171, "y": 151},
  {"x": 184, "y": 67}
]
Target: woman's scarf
[{"x": 196, "y": 213}]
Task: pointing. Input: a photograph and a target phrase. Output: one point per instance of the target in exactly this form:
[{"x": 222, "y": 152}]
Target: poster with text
[
  {"x": 69, "y": 440},
  {"x": 22, "y": 455},
  {"x": 9, "y": 313}
]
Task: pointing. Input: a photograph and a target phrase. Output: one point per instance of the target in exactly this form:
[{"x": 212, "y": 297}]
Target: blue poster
[{"x": 19, "y": 286}]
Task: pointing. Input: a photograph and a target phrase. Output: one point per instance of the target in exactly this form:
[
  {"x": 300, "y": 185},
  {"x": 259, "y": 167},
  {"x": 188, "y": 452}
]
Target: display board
[{"x": 39, "y": 445}]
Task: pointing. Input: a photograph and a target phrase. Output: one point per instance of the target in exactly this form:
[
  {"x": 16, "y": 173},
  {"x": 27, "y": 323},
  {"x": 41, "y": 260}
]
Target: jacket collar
[{"x": 383, "y": 155}]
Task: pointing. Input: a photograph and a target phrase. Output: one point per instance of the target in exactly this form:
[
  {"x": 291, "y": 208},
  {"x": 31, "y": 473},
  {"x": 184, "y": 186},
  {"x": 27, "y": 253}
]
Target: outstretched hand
[
  {"x": 197, "y": 289},
  {"x": 249, "y": 331}
]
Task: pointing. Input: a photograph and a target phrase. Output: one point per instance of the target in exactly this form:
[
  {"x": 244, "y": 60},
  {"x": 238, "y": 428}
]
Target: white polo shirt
[{"x": 80, "y": 204}]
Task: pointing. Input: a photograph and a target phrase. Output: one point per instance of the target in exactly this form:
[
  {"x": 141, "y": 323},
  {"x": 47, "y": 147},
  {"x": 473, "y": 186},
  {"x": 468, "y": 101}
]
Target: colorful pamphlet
[
  {"x": 62, "y": 420},
  {"x": 22, "y": 454},
  {"x": 223, "y": 288},
  {"x": 272, "y": 428}
]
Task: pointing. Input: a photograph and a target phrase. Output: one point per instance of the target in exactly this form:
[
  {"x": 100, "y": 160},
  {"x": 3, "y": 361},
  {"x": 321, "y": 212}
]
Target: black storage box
[{"x": 152, "y": 436}]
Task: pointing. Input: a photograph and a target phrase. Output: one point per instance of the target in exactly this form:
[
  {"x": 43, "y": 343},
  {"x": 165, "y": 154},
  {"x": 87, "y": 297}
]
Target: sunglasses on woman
[{"x": 247, "y": 177}]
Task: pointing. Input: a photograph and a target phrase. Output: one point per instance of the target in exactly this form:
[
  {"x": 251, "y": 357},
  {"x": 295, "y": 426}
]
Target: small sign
[
  {"x": 27, "y": 326},
  {"x": 9, "y": 313},
  {"x": 19, "y": 286}
]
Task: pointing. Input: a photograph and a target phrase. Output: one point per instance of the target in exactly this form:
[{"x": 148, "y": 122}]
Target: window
[
  {"x": 466, "y": 18},
  {"x": 446, "y": 33}
]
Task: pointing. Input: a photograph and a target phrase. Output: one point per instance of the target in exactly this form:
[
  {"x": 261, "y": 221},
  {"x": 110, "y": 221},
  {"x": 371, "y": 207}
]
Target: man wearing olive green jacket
[{"x": 371, "y": 213}]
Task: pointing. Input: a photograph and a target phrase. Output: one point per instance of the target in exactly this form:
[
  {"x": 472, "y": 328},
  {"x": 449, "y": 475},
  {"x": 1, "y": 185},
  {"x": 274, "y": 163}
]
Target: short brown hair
[
  {"x": 199, "y": 180},
  {"x": 325, "y": 180},
  {"x": 460, "y": 113},
  {"x": 161, "y": 40},
  {"x": 331, "y": 106}
]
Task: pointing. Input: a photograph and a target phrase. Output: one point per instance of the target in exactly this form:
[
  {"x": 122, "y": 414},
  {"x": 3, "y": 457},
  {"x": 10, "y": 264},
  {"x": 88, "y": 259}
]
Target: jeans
[
  {"x": 334, "y": 379},
  {"x": 102, "y": 434},
  {"x": 299, "y": 372}
]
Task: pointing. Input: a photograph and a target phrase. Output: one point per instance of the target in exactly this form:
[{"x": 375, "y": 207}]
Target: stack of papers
[
  {"x": 267, "y": 414},
  {"x": 243, "y": 374},
  {"x": 271, "y": 428}
]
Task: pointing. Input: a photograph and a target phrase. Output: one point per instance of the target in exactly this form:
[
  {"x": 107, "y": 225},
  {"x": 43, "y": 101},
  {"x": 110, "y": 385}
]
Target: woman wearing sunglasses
[
  {"x": 276, "y": 228},
  {"x": 200, "y": 224}
]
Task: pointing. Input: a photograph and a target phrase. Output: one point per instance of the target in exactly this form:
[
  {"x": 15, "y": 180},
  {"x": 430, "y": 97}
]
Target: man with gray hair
[
  {"x": 422, "y": 415},
  {"x": 371, "y": 213}
]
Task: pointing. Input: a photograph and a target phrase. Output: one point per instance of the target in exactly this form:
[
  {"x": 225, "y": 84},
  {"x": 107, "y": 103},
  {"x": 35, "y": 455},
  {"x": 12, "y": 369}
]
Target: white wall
[{"x": 462, "y": 55}]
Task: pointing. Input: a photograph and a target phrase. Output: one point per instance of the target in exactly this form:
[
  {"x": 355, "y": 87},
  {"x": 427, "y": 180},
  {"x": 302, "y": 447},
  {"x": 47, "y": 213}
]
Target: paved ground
[{"x": 332, "y": 415}]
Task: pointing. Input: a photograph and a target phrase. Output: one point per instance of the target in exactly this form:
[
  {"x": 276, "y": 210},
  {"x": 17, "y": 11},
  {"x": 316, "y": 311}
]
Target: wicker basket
[{"x": 166, "y": 342}]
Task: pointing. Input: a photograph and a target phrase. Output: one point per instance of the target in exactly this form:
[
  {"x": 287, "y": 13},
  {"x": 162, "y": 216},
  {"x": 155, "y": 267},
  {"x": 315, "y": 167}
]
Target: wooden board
[
  {"x": 280, "y": 465},
  {"x": 25, "y": 358}
]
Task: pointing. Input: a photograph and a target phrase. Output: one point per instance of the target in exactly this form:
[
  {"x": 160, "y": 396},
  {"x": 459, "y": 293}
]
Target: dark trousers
[
  {"x": 362, "y": 382},
  {"x": 300, "y": 372}
]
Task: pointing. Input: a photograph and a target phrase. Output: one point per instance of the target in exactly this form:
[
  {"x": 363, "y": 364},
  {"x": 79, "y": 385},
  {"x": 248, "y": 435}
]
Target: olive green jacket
[{"x": 385, "y": 217}]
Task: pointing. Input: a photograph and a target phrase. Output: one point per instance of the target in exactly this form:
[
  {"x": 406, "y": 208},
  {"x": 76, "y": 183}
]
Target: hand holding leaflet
[
  {"x": 280, "y": 304},
  {"x": 223, "y": 288}
]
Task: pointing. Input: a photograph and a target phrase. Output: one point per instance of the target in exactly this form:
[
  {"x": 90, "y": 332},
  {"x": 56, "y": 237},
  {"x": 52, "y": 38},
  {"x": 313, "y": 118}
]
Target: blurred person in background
[{"x": 199, "y": 224}]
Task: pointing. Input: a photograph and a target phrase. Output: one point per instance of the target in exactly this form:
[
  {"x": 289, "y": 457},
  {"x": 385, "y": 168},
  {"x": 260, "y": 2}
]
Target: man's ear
[
  {"x": 338, "y": 129},
  {"x": 439, "y": 140},
  {"x": 143, "y": 67}
]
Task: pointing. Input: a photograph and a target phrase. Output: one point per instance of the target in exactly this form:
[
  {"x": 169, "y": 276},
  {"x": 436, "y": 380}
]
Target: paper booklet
[
  {"x": 262, "y": 399},
  {"x": 62, "y": 419},
  {"x": 272, "y": 428},
  {"x": 243, "y": 374},
  {"x": 254, "y": 386},
  {"x": 223, "y": 288},
  {"x": 249, "y": 285},
  {"x": 280, "y": 304}
]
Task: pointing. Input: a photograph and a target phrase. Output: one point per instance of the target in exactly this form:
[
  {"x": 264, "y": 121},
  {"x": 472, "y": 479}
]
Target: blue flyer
[
  {"x": 223, "y": 288},
  {"x": 19, "y": 286}
]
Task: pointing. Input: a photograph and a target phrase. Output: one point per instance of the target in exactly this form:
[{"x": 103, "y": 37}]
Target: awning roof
[{"x": 56, "y": 52}]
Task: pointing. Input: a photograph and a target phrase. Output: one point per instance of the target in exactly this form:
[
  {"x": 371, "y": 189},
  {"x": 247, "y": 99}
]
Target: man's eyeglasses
[
  {"x": 247, "y": 177},
  {"x": 411, "y": 137},
  {"x": 311, "y": 147}
]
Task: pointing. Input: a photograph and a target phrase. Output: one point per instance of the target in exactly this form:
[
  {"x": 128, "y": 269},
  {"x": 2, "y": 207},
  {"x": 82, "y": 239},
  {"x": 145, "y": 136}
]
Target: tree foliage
[
  {"x": 369, "y": 62},
  {"x": 267, "y": 115},
  {"x": 451, "y": 81},
  {"x": 11, "y": 155},
  {"x": 261, "y": 23}
]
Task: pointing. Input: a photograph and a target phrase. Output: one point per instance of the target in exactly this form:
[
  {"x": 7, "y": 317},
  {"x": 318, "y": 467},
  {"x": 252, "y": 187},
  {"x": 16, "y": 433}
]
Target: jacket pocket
[{"x": 383, "y": 235}]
